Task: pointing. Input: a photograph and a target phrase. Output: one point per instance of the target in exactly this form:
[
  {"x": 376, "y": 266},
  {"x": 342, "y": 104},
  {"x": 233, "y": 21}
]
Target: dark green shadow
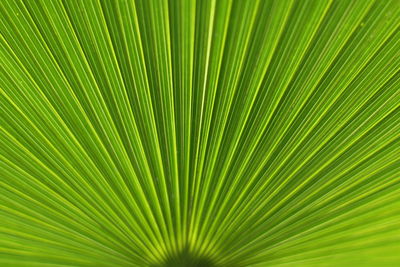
[{"x": 186, "y": 259}]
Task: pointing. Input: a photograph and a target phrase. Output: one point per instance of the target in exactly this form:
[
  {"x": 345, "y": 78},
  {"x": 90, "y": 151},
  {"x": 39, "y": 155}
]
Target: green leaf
[{"x": 199, "y": 133}]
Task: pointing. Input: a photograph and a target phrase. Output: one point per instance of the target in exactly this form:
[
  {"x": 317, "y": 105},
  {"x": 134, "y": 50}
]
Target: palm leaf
[{"x": 200, "y": 133}]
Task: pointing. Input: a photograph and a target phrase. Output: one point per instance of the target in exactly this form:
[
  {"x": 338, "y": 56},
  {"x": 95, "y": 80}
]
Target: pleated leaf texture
[{"x": 200, "y": 133}]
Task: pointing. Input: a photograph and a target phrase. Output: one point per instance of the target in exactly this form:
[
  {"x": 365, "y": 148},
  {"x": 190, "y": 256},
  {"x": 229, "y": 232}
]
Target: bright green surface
[{"x": 200, "y": 133}]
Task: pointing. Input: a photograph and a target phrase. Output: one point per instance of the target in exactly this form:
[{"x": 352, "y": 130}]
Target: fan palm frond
[{"x": 200, "y": 133}]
